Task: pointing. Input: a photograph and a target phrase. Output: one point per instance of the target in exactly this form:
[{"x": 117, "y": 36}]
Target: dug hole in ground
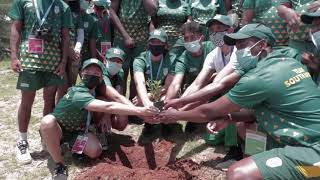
[{"x": 126, "y": 159}]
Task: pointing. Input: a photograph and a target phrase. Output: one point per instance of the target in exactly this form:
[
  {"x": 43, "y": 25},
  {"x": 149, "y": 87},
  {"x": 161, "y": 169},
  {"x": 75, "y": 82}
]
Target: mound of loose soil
[{"x": 128, "y": 160}]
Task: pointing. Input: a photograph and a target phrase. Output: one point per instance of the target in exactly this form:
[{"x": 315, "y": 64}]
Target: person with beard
[
  {"x": 71, "y": 118},
  {"x": 152, "y": 65}
]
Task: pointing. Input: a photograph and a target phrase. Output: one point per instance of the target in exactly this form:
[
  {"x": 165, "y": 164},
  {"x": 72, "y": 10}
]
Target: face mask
[
  {"x": 217, "y": 38},
  {"x": 156, "y": 50},
  {"x": 90, "y": 81},
  {"x": 315, "y": 37},
  {"x": 74, "y": 6},
  {"x": 193, "y": 46},
  {"x": 84, "y": 4},
  {"x": 246, "y": 60},
  {"x": 113, "y": 67}
]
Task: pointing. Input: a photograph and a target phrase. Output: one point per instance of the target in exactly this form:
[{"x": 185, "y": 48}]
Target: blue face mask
[{"x": 246, "y": 60}]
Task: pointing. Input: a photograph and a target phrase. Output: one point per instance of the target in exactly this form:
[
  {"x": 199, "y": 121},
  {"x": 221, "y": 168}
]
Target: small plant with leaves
[{"x": 155, "y": 87}]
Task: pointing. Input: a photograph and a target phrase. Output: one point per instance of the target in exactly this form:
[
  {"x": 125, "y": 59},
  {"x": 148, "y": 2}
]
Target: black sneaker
[
  {"x": 234, "y": 154},
  {"x": 60, "y": 172}
]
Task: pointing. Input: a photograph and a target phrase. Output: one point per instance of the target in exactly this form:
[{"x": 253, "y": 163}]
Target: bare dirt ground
[{"x": 184, "y": 152}]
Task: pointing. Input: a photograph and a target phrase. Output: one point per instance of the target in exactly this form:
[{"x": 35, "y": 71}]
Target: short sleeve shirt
[
  {"x": 266, "y": 12},
  {"x": 204, "y": 10},
  {"x": 142, "y": 64},
  {"x": 134, "y": 20},
  {"x": 90, "y": 25},
  {"x": 171, "y": 16},
  {"x": 285, "y": 98},
  {"x": 70, "y": 111},
  {"x": 104, "y": 30},
  {"x": 191, "y": 66},
  {"x": 300, "y": 6},
  {"x": 114, "y": 81},
  {"x": 216, "y": 61},
  {"x": 59, "y": 17}
]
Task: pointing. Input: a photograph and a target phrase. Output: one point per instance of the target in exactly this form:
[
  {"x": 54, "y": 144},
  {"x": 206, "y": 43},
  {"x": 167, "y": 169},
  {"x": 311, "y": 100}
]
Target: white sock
[{"x": 23, "y": 136}]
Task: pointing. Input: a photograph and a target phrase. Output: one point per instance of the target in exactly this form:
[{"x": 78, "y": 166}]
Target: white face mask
[
  {"x": 84, "y": 4},
  {"x": 113, "y": 67},
  {"x": 193, "y": 46},
  {"x": 315, "y": 37},
  {"x": 217, "y": 38}
]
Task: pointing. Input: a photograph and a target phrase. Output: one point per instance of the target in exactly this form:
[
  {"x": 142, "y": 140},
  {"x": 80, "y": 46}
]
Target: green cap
[
  {"x": 308, "y": 17},
  {"x": 259, "y": 31},
  {"x": 115, "y": 53},
  {"x": 226, "y": 20},
  {"x": 95, "y": 61},
  {"x": 158, "y": 34},
  {"x": 102, "y": 3}
]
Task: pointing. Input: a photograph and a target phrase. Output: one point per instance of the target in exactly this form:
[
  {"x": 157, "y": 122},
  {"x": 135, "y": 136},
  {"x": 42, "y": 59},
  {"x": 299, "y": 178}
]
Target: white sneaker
[{"x": 22, "y": 153}]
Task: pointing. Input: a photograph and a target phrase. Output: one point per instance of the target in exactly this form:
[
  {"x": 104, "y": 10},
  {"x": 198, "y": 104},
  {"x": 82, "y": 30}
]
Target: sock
[{"x": 23, "y": 136}]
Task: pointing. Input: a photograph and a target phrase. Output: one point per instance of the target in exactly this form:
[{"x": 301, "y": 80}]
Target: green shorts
[
  {"x": 34, "y": 80},
  {"x": 289, "y": 163}
]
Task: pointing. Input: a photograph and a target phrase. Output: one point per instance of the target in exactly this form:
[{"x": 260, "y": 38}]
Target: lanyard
[
  {"x": 88, "y": 119},
  {"x": 104, "y": 26},
  {"x": 41, "y": 21},
  {"x": 160, "y": 67}
]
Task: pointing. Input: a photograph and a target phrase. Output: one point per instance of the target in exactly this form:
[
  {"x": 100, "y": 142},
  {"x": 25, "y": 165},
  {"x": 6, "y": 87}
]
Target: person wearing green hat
[
  {"x": 150, "y": 67},
  {"x": 189, "y": 64},
  {"x": 215, "y": 61},
  {"x": 204, "y": 10},
  {"x": 131, "y": 19},
  {"x": 105, "y": 26},
  {"x": 311, "y": 59},
  {"x": 71, "y": 118},
  {"x": 265, "y": 12},
  {"x": 285, "y": 100}
]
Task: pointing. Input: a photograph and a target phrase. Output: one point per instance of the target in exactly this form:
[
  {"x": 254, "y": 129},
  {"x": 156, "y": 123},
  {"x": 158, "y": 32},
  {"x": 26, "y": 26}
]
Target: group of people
[{"x": 248, "y": 66}]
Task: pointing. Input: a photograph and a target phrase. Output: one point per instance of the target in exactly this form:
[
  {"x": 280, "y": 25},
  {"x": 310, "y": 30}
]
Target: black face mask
[
  {"x": 90, "y": 81},
  {"x": 156, "y": 50},
  {"x": 74, "y": 6}
]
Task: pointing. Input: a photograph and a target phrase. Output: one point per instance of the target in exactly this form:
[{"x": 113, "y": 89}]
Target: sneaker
[
  {"x": 60, "y": 172},
  {"x": 22, "y": 153},
  {"x": 234, "y": 154}
]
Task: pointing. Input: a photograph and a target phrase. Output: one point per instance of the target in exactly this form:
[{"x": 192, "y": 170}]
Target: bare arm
[
  {"x": 174, "y": 87},
  {"x": 142, "y": 92},
  {"x": 203, "y": 113},
  {"x": 118, "y": 108},
  {"x": 15, "y": 40},
  {"x": 115, "y": 19},
  {"x": 150, "y": 6},
  {"x": 112, "y": 94},
  {"x": 61, "y": 69},
  {"x": 247, "y": 16},
  {"x": 200, "y": 81},
  {"x": 93, "y": 47}
]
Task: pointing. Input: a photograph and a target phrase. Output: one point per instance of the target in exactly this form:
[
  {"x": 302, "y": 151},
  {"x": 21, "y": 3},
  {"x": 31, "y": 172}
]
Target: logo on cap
[
  {"x": 94, "y": 60},
  {"x": 116, "y": 51},
  {"x": 157, "y": 32}
]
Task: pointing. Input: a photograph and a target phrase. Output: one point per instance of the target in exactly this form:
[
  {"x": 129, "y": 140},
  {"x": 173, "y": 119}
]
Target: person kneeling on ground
[
  {"x": 71, "y": 117},
  {"x": 286, "y": 103}
]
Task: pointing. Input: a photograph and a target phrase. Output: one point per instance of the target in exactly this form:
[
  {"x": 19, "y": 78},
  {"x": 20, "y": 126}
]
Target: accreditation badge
[
  {"x": 80, "y": 144},
  {"x": 104, "y": 47},
  {"x": 35, "y": 45},
  {"x": 256, "y": 142}
]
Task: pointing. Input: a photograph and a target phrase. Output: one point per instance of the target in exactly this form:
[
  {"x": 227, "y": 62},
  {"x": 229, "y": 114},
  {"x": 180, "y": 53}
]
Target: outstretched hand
[
  {"x": 173, "y": 103},
  {"x": 217, "y": 125},
  {"x": 150, "y": 111},
  {"x": 167, "y": 116}
]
